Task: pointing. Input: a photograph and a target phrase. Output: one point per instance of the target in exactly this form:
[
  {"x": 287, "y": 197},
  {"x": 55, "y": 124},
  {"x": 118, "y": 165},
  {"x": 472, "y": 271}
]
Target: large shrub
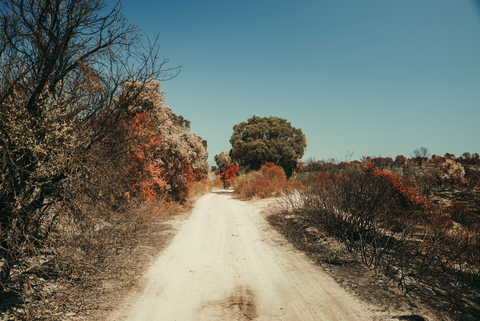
[
  {"x": 83, "y": 131},
  {"x": 268, "y": 139},
  {"x": 165, "y": 156}
]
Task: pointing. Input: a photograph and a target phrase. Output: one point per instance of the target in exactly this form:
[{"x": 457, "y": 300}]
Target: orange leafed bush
[
  {"x": 149, "y": 177},
  {"x": 404, "y": 195},
  {"x": 318, "y": 180},
  {"x": 269, "y": 181},
  {"x": 230, "y": 171},
  {"x": 165, "y": 157}
]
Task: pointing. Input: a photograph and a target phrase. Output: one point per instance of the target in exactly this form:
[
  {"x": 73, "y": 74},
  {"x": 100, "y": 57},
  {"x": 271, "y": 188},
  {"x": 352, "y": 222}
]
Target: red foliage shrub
[
  {"x": 400, "y": 160},
  {"x": 449, "y": 156},
  {"x": 320, "y": 179},
  {"x": 270, "y": 171},
  {"x": 228, "y": 173},
  {"x": 378, "y": 162},
  {"x": 381, "y": 162},
  {"x": 269, "y": 181},
  {"x": 404, "y": 195},
  {"x": 260, "y": 188},
  {"x": 437, "y": 160},
  {"x": 147, "y": 177}
]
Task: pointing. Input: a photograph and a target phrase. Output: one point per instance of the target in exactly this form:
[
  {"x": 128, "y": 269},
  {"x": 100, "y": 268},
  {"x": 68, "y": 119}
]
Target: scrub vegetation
[
  {"x": 92, "y": 162},
  {"x": 415, "y": 222},
  {"x": 90, "y": 157}
]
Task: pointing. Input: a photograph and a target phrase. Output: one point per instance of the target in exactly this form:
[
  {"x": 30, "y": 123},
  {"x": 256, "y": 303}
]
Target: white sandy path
[{"x": 226, "y": 263}]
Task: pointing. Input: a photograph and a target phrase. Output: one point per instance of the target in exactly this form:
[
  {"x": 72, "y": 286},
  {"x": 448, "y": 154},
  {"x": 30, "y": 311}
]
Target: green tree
[
  {"x": 221, "y": 160},
  {"x": 267, "y": 139}
]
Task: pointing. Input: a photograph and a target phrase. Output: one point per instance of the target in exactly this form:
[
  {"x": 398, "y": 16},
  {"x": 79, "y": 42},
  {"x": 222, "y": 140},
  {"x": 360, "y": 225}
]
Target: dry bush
[
  {"x": 337, "y": 253},
  {"x": 54, "y": 275},
  {"x": 452, "y": 172},
  {"x": 200, "y": 188},
  {"x": 269, "y": 181},
  {"x": 391, "y": 227},
  {"x": 70, "y": 233},
  {"x": 472, "y": 175},
  {"x": 425, "y": 178},
  {"x": 358, "y": 209},
  {"x": 217, "y": 183},
  {"x": 75, "y": 232},
  {"x": 385, "y": 220},
  {"x": 54, "y": 88},
  {"x": 66, "y": 152}
]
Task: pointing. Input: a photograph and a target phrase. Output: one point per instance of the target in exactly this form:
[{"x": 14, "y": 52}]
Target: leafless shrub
[
  {"x": 403, "y": 240},
  {"x": 425, "y": 178},
  {"x": 356, "y": 209},
  {"x": 420, "y": 155}
]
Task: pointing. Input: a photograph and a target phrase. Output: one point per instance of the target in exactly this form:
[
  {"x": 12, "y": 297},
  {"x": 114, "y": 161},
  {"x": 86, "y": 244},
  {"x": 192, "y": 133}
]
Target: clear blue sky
[{"x": 377, "y": 78}]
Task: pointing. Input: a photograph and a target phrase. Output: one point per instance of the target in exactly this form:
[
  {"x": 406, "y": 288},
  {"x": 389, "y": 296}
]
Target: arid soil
[{"x": 228, "y": 263}]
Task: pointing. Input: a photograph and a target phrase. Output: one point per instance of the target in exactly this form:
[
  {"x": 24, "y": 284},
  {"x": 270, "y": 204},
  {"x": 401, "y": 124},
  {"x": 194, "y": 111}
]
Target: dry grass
[{"x": 200, "y": 188}]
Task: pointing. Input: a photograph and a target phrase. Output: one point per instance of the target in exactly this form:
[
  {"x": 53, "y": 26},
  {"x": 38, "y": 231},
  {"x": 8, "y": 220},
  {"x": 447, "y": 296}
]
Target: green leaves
[{"x": 267, "y": 139}]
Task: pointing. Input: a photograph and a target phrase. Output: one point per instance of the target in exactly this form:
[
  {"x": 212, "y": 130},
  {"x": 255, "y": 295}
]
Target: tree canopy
[
  {"x": 221, "y": 160},
  {"x": 267, "y": 139}
]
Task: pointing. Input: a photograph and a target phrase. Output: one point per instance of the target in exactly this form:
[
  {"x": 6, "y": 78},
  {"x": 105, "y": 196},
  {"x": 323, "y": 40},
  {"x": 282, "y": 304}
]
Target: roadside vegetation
[
  {"x": 90, "y": 157},
  {"x": 269, "y": 181},
  {"x": 415, "y": 221}
]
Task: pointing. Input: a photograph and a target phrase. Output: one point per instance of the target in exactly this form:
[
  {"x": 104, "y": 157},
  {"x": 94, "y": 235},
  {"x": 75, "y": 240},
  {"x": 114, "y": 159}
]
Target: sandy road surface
[{"x": 227, "y": 263}]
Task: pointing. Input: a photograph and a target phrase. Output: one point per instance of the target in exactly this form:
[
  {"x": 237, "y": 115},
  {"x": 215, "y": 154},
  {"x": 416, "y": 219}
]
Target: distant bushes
[
  {"x": 436, "y": 171},
  {"x": 228, "y": 173},
  {"x": 269, "y": 181}
]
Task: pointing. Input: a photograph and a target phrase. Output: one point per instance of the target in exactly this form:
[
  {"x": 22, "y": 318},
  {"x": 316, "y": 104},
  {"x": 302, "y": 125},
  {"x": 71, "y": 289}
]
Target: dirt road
[{"x": 227, "y": 263}]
